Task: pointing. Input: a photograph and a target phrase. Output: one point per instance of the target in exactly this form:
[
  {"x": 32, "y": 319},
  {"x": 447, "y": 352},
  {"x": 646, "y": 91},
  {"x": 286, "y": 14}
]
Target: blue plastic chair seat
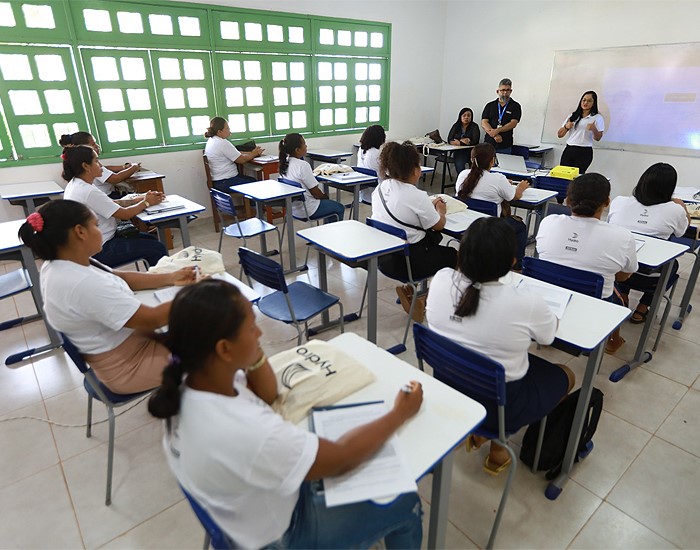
[
  {"x": 251, "y": 227},
  {"x": 307, "y": 301},
  {"x": 114, "y": 398},
  {"x": 14, "y": 282}
]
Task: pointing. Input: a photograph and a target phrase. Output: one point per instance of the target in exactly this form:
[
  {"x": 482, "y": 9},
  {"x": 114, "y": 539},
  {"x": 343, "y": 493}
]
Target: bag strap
[{"x": 386, "y": 207}]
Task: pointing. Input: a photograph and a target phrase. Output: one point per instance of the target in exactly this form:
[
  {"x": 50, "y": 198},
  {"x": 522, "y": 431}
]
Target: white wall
[
  {"x": 517, "y": 40},
  {"x": 416, "y": 80}
]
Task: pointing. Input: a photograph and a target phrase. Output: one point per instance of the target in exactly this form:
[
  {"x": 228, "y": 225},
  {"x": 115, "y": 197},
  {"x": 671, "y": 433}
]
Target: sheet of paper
[
  {"x": 686, "y": 194},
  {"x": 165, "y": 206},
  {"x": 266, "y": 158},
  {"x": 556, "y": 298},
  {"x": 638, "y": 243},
  {"x": 386, "y": 474}
]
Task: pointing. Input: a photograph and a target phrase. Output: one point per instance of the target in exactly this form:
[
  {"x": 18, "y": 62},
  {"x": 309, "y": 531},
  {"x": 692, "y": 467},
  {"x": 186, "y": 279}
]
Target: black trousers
[
  {"x": 578, "y": 157},
  {"x": 426, "y": 259}
]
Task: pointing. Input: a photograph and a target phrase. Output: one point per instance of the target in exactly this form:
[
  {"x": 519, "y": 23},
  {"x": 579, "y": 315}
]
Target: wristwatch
[{"x": 147, "y": 204}]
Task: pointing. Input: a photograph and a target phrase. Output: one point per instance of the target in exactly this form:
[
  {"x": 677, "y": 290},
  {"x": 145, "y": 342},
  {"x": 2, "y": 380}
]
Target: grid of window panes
[
  {"x": 43, "y": 20},
  {"x": 247, "y": 30}
]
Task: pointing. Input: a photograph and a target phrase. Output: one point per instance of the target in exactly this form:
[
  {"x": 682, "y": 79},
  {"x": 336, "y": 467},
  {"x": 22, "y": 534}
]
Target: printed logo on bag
[{"x": 297, "y": 370}]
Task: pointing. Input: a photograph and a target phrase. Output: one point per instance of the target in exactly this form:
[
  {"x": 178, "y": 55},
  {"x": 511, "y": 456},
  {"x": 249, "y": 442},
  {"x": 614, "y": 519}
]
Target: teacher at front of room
[{"x": 583, "y": 126}]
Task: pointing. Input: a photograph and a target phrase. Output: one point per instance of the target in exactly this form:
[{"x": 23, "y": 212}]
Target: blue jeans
[
  {"x": 328, "y": 207},
  {"x": 462, "y": 159},
  {"x": 224, "y": 185},
  {"x": 358, "y": 525},
  {"x": 117, "y": 251}
]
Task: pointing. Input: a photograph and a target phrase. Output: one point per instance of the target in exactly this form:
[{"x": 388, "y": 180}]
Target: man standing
[{"x": 500, "y": 116}]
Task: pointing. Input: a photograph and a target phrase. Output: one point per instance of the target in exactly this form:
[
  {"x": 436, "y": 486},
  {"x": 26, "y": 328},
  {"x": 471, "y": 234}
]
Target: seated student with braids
[
  {"x": 583, "y": 241},
  {"x": 292, "y": 149},
  {"x": 80, "y": 168},
  {"x": 471, "y": 306},
  {"x": 247, "y": 466},
  {"x": 95, "y": 306},
  {"x": 479, "y": 182}
]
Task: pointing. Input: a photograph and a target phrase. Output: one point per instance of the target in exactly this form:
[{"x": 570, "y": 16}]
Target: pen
[
  {"x": 407, "y": 388},
  {"x": 197, "y": 273}
]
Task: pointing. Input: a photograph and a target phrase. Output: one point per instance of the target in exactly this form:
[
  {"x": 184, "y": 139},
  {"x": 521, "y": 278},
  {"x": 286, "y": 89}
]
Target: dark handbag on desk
[
  {"x": 435, "y": 136},
  {"x": 126, "y": 230},
  {"x": 246, "y": 146},
  {"x": 432, "y": 238}
]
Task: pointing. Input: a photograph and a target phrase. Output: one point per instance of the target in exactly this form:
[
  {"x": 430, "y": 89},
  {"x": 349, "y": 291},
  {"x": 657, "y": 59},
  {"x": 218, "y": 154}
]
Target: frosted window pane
[
  {"x": 253, "y": 32},
  {"x": 251, "y": 70},
  {"x": 360, "y": 39},
  {"x": 256, "y": 122},
  {"x": 133, "y": 68},
  {"x": 7, "y": 18},
  {"x": 361, "y": 71},
  {"x": 178, "y": 127},
  {"x": 279, "y": 71},
  {"x": 341, "y": 94},
  {"x": 111, "y": 100},
  {"x": 275, "y": 33},
  {"x": 229, "y": 30},
  {"x": 376, "y": 40},
  {"x": 325, "y": 36},
  {"x": 299, "y": 119},
  {"x": 375, "y": 93},
  {"x": 38, "y": 17},
  {"x": 282, "y": 121},
  {"x": 197, "y": 98},
  {"x": 144, "y": 128},
  {"x": 105, "y": 69},
  {"x": 97, "y": 20},
  {"x": 374, "y": 113},
  {"x": 35, "y": 135},
  {"x": 280, "y": 96},
  {"x": 296, "y": 35},
  {"x": 25, "y": 102},
  {"x": 298, "y": 96},
  {"x": 50, "y": 68},
  {"x": 344, "y": 38},
  {"x": 232, "y": 69},
  {"x": 237, "y": 123},
  {"x": 193, "y": 69},
  {"x": 139, "y": 100},
  {"x": 169, "y": 68},
  {"x": 130, "y": 23},
  {"x": 361, "y": 115},
  {"x": 253, "y": 97},
  {"x": 59, "y": 102},
  {"x": 174, "y": 98},
  {"x": 117, "y": 130},
  {"x": 361, "y": 93},
  {"x": 199, "y": 124},
  {"x": 234, "y": 97},
  {"x": 296, "y": 71},
  {"x": 375, "y": 71},
  {"x": 325, "y": 71},
  {"x": 341, "y": 116},
  {"x": 189, "y": 26},
  {"x": 326, "y": 117},
  {"x": 340, "y": 71},
  {"x": 325, "y": 94},
  {"x": 15, "y": 67},
  {"x": 61, "y": 128},
  {"x": 160, "y": 24}
]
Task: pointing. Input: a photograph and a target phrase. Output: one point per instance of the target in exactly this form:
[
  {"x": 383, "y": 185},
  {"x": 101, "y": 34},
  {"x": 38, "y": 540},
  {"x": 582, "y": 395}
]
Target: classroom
[{"x": 639, "y": 487}]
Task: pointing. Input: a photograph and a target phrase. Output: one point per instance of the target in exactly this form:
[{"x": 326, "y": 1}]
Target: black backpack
[{"x": 556, "y": 433}]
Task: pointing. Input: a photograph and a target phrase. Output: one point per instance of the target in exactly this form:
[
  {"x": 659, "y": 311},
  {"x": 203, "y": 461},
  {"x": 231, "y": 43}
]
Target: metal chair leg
[
  {"x": 538, "y": 448},
  {"x": 89, "y": 417},
  {"x": 207, "y": 541},
  {"x": 110, "y": 456},
  {"x": 504, "y": 496},
  {"x": 664, "y": 317}
]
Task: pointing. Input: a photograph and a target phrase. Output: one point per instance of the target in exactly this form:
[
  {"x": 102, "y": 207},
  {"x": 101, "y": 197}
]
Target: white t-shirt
[
  {"x": 221, "y": 156},
  {"x": 89, "y": 305},
  {"x": 241, "y": 461},
  {"x": 657, "y": 220},
  {"x": 101, "y": 181},
  {"x": 589, "y": 244},
  {"x": 407, "y": 203},
  {"x": 301, "y": 172},
  {"x": 580, "y": 135},
  {"x": 492, "y": 187},
  {"x": 103, "y": 207},
  {"x": 368, "y": 159},
  {"x": 505, "y": 322}
]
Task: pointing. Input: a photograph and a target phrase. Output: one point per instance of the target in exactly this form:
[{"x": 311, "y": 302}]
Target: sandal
[
  {"x": 637, "y": 317},
  {"x": 495, "y": 469},
  {"x": 472, "y": 444},
  {"x": 405, "y": 294},
  {"x": 611, "y": 349}
]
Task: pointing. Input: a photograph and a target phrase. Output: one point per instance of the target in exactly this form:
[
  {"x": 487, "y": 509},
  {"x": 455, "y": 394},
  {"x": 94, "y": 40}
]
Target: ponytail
[
  {"x": 216, "y": 124},
  {"x": 165, "y": 401},
  {"x": 287, "y": 146},
  {"x": 469, "y": 302},
  {"x": 482, "y": 156},
  {"x": 76, "y": 138}
]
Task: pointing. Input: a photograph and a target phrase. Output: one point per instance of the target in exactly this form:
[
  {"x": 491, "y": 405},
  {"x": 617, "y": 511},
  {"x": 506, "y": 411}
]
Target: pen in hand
[{"x": 407, "y": 388}]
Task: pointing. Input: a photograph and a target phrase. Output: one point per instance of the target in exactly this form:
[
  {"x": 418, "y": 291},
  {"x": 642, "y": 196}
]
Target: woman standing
[
  {"x": 583, "y": 126},
  {"x": 463, "y": 132}
]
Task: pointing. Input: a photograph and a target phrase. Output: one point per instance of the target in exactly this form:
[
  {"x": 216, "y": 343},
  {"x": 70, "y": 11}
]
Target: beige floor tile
[
  {"x": 56, "y": 373},
  {"x": 454, "y": 538},
  {"x": 18, "y": 386},
  {"x": 683, "y": 425},
  {"x": 676, "y": 359},
  {"x": 660, "y": 491}
]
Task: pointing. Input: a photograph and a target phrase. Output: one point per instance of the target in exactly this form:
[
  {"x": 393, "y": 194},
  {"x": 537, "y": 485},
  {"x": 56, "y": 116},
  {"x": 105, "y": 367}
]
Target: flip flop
[
  {"x": 471, "y": 443},
  {"x": 641, "y": 317},
  {"x": 611, "y": 350},
  {"x": 495, "y": 469}
]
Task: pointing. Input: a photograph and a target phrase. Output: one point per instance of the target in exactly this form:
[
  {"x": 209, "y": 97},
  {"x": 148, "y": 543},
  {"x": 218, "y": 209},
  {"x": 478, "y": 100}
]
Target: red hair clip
[{"x": 36, "y": 221}]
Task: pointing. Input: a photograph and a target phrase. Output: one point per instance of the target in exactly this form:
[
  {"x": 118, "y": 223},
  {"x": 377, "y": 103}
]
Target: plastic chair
[
  {"x": 97, "y": 390},
  {"x": 578, "y": 280},
  {"x": 210, "y": 185},
  {"x": 293, "y": 304},
  {"x": 694, "y": 249},
  {"x": 480, "y": 378},
  {"x": 550, "y": 183},
  {"x": 367, "y": 172},
  {"x": 522, "y": 151},
  {"x": 214, "y": 537},
  {"x": 478, "y": 205},
  {"x": 15, "y": 282}
]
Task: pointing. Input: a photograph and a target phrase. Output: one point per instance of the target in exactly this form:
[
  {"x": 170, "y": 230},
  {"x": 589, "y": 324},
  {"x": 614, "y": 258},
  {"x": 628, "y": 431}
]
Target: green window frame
[
  {"x": 46, "y": 21},
  {"x": 5, "y": 144},
  {"x": 260, "y": 31},
  {"x": 343, "y": 37}
]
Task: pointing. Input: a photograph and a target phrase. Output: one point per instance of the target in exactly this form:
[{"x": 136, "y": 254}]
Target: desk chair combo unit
[{"x": 210, "y": 185}]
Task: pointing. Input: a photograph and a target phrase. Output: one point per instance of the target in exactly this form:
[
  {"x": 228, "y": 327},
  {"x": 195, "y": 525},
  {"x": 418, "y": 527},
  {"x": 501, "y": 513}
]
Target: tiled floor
[{"x": 638, "y": 489}]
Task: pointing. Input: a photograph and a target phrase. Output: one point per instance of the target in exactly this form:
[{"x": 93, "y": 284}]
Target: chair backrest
[
  {"x": 207, "y": 171},
  {"x": 521, "y": 151},
  {"x": 365, "y": 171},
  {"x": 223, "y": 202},
  {"x": 578, "y": 280},
  {"x": 550, "y": 183},
  {"x": 218, "y": 539},
  {"x": 478, "y": 205},
  {"x": 392, "y": 230},
  {"x": 74, "y": 354},
  {"x": 554, "y": 208},
  {"x": 262, "y": 269},
  {"x": 295, "y": 184}
]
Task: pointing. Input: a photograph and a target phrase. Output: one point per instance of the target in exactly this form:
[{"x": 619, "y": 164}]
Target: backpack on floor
[{"x": 556, "y": 433}]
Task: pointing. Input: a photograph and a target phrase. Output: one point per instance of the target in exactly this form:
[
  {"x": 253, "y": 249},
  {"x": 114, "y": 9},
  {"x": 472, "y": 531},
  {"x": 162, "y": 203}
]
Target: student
[
  {"x": 95, "y": 306},
  {"x": 471, "y": 306},
  {"x": 111, "y": 175},
  {"x": 80, "y": 168},
  {"x": 224, "y": 158},
  {"x": 463, "y": 132},
  {"x": 583, "y": 126},
  {"x": 368, "y": 155},
  {"x": 651, "y": 210},
  {"x": 480, "y": 183},
  {"x": 583, "y": 241},
  {"x": 500, "y": 117},
  {"x": 292, "y": 150},
  {"x": 241, "y": 461}
]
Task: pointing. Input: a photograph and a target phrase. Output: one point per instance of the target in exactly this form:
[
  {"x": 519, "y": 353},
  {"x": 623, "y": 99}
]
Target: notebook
[{"x": 164, "y": 206}]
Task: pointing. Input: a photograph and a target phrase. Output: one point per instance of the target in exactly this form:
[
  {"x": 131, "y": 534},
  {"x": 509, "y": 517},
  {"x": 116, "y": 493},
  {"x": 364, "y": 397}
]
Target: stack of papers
[
  {"x": 555, "y": 297},
  {"x": 165, "y": 206}
]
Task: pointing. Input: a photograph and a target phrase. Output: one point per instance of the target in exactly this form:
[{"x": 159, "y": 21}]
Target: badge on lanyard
[{"x": 501, "y": 112}]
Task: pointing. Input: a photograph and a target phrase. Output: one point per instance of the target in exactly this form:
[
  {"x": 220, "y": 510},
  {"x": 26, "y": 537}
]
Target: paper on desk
[
  {"x": 556, "y": 298},
  {"x": 266, "y": 158},
  {"x": 686, "y": 193},
  {"x": 638, "y": 243},
  {"x": 165, "y": 206},
  {"x": 168, "y": 294},
  {"x": 386, "y": 474}
]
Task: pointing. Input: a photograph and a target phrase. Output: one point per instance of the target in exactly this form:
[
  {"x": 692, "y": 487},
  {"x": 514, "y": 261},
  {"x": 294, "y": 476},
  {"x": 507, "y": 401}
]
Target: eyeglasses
[{"x": 503, "y": 90}]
